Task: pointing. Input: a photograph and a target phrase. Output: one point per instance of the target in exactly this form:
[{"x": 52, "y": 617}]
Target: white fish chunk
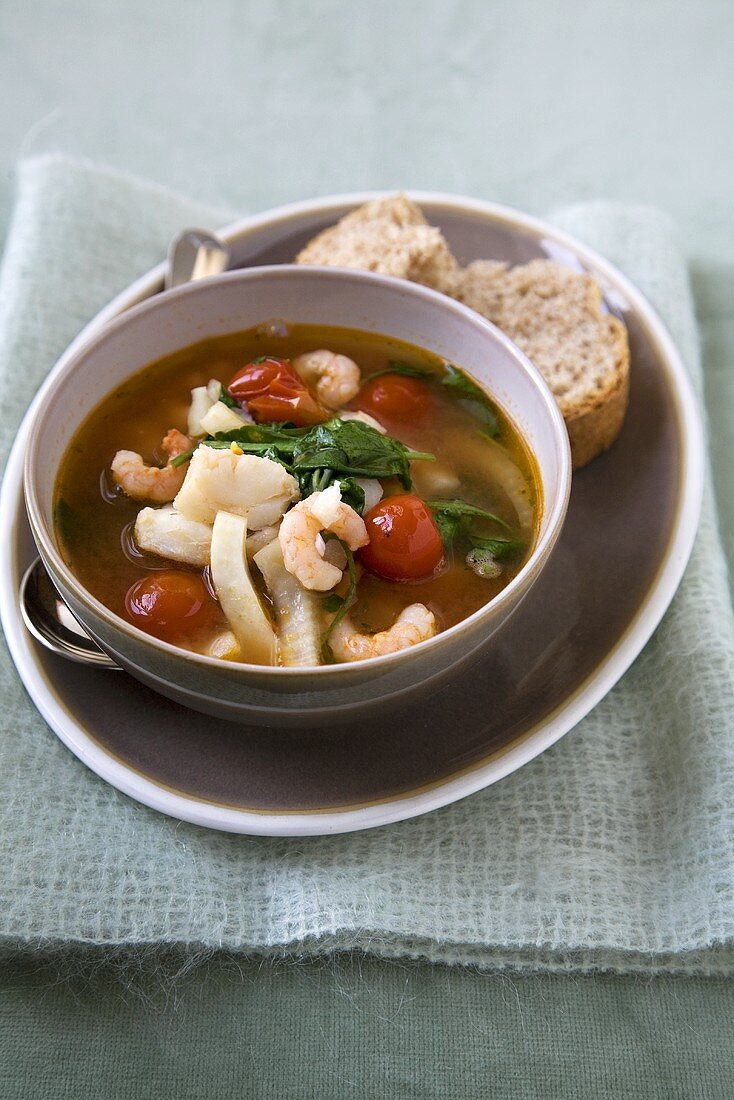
[
  {"x": 220, "y": 418},
  {"x": 244, "y": 485},
  {"x": 165, "y": 532}
]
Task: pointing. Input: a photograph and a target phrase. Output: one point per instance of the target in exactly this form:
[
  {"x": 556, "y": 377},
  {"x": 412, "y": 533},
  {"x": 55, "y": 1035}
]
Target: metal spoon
[
  {"x": 194, "y": 254},
  {"x": 51, "y": 622}
]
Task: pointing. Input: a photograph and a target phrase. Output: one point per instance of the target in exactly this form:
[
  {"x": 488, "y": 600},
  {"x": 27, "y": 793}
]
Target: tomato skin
[
  {"x": 394, "y": 397},
  {"x": 274, "y": 391},
  {"x": 405, "y": 543},
  {"x": 170, "y": 605}
]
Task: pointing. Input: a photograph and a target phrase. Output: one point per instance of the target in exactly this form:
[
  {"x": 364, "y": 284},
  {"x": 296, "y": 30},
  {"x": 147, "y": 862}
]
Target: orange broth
[{"x": 94, "y": 519}]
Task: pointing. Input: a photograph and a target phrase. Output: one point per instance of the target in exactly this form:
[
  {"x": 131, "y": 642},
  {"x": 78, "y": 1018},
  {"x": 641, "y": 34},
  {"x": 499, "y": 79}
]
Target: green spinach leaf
[
  {"x": 449, "y": 526},
  {"x": 180, "y": 459},
  {"x": 456, "y": 520},
  {"x": 500, "y": 549},
  {"x": 352, "y": 493},
  {"x": 353, "y": 448},
  {"x": 458, "y": 509},
  {"x": 462, "y": 386}
]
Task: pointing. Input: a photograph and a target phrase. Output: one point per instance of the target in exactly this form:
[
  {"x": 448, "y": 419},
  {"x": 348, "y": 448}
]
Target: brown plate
[{"x": 565, "y": 647}]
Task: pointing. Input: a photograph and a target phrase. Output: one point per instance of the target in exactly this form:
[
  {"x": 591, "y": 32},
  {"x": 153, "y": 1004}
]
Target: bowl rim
[{"x": 554, "y": 510}]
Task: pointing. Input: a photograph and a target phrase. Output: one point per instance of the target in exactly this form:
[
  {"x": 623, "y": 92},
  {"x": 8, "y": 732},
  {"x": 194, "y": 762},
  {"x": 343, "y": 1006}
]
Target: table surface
[{"x": 255, "y": 102}]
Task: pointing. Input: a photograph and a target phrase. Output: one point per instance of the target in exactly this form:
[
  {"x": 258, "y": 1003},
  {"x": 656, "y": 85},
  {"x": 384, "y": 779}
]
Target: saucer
[{"x": 598, "y": 601}]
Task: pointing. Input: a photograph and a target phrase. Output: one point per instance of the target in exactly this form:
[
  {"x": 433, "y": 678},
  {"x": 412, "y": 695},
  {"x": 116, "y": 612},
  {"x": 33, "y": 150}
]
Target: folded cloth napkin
[{"x": 613, "y": 850}]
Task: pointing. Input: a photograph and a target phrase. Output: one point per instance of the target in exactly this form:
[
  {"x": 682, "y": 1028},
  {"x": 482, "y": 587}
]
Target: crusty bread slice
[
  {"x": 388, "y": 235},
  {"x": 555, "y": 316}
]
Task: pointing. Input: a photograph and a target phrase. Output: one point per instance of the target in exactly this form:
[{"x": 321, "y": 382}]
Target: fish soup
[{"x": 297, "y": 496}]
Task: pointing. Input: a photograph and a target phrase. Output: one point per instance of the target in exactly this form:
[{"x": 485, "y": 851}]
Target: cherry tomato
[
  {"x": 405, "y": 543},
  {"x": 170, "y": 605},
  {"x": 274, "y": 391},
  {"x": 394, "y": 397}
]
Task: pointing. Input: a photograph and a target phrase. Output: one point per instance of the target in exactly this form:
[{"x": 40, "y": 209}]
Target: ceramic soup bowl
[{"x": 230, "y": 303}]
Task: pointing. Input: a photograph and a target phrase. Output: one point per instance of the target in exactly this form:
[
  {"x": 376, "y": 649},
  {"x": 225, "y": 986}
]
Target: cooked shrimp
[
  {"x": 414, "y": 624},
  {"x": 336, "y": 378},
  {"x": 301, "y": 542},
  {"x": 159, "y": 483}
]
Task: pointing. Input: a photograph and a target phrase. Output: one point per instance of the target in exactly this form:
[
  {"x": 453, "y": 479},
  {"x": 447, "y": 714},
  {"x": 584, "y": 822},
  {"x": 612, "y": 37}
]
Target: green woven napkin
[{"x": 612, "y": 850}]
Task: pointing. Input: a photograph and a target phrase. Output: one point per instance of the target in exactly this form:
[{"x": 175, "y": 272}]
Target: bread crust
[{"x": 592, "y": 430}]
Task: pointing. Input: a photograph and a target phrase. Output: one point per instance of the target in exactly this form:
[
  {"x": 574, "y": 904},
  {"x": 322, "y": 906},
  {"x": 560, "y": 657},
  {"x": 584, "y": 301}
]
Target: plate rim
[{"x": 497, "y": 765}]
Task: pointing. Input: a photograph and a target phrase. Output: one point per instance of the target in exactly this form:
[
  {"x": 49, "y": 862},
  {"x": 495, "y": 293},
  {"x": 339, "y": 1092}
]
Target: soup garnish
[{"x": 335, "y": 495}]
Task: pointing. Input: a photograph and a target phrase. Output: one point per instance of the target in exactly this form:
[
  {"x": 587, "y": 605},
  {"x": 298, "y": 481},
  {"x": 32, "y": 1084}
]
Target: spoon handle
[
  {"x": 52, "y": 623},
  {"x": 195, "y": 254}
]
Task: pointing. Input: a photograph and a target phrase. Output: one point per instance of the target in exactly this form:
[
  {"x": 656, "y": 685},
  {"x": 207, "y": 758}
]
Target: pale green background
[{"x": 253, "y": 103}]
